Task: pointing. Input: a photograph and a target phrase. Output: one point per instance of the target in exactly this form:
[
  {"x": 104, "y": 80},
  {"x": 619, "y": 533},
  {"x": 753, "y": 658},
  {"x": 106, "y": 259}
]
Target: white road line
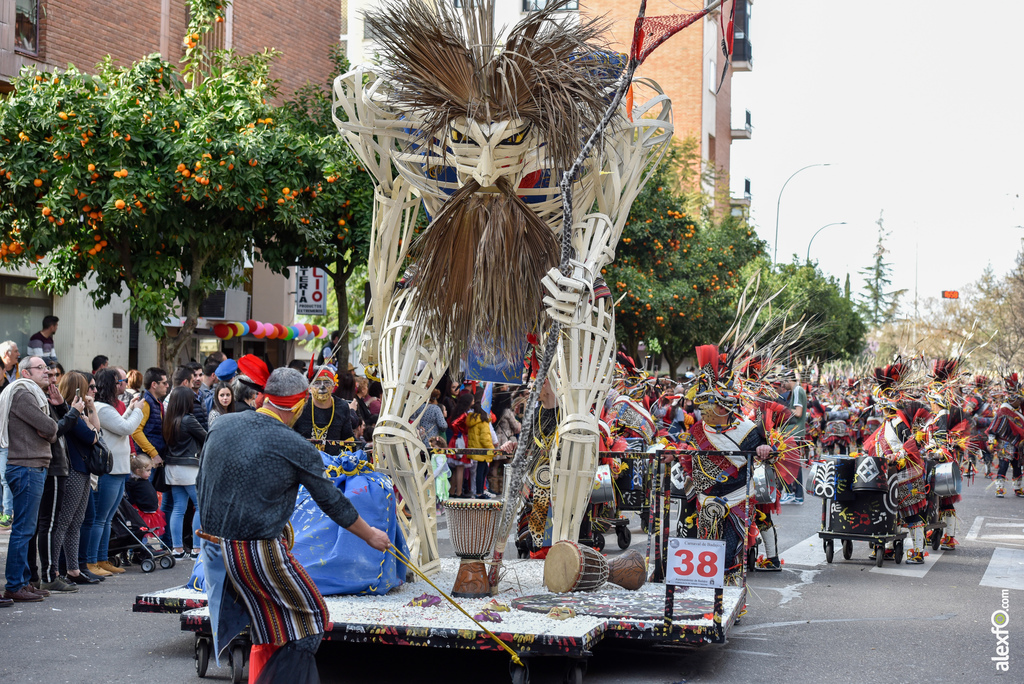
[
  {"x": 983, "y": 525},
  {"x": 975, "y": 528},
  {"x": 930, "y": 559},
  {"x": 1005, "y": 570},
  {"x": 808, "y": 553}
]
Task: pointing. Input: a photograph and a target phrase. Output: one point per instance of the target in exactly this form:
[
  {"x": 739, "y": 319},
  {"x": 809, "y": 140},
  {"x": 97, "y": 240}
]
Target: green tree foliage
[
  {"x": 680, "y": 273},
  {"x": 878, "y": 304},
  {"x": 127, "y": 181},
  {"x": 346, "y": 254},
  {"x": 835, "y": 329}
]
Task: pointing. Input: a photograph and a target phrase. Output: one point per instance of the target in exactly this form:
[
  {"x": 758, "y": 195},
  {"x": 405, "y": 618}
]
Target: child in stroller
[{"x": 138, "y": 523}]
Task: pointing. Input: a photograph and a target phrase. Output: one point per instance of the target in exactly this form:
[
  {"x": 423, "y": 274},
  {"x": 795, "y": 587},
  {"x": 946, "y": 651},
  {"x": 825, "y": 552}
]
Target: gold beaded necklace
[{"x": 320, "y": 433}]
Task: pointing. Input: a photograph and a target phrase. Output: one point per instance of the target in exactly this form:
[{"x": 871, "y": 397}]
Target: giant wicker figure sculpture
[{"x": 479, "y": 133}]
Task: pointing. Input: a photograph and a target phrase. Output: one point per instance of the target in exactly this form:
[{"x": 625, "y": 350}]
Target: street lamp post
[
  {"x": 840, "y": 223},
  {"x": 778, "y": 204}
]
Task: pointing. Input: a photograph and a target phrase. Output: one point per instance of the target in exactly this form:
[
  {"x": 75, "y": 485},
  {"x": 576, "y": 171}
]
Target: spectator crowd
[{"x": 77, "y": 446}]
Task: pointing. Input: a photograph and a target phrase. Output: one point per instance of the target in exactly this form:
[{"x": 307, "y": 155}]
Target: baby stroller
[{"x": 129, "y": 534}]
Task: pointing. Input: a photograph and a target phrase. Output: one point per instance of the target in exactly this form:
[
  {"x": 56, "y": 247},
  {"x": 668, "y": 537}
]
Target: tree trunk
[
  {"x": 673, "y": 363},
  {"x": 342, "y": 272},
  {"x": 172, "y": 346}
]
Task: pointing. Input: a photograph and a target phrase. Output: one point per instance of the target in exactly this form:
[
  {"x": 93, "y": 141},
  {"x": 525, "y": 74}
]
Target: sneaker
[
  {"x": 948, "y": 543},
  {"x": 1019, "y": 492},
  {"x": 110, "y": 567},
  {"x": 1000, "y": 492},
  {"x": 798, "y": 501},
  {"x": 889, "y": 555},
  {"x": 6, "y": 519},
  {"x": 59, "y": 586},
  {"x": 787, "y": 499},
  {"x": 82, "y": 578},
  {"x": 180, "y": 555},
  {"x": 768, "y": 565},
  {"x": 915, "y": 558},
  {"x": 95, "y": 569}
]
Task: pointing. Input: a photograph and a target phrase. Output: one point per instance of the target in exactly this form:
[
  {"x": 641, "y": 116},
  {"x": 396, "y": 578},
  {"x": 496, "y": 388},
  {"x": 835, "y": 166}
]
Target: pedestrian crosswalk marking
[
  {"x": 808, "y": 553},
  {"x": 1000, "y": 531},
  {"x": 1005, "y": 569}
]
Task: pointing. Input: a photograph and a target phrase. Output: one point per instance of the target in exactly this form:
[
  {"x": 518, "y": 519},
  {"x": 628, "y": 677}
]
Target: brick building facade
[
  {"x": 688, "y": 67},
  {"x": 53, "y": 33}
]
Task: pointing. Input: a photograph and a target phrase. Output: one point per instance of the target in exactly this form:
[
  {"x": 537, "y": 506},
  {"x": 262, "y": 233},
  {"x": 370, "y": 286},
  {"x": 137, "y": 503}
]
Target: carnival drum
[
  {"x": 629, "y": 570},
  {"x": 472, "y": 525},
  {"x": 765, "y": 483},
  {"x": 604, "y": 488},
  {"x": 869, "y": 475},
  {"x": 572, "y": 567},
  {"x": 947, "y": 479}
]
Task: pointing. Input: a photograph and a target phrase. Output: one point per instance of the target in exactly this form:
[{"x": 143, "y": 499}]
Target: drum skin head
[{"x": 562, "y": 567}]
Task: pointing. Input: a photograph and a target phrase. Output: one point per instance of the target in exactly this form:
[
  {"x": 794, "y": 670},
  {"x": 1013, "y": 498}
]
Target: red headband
[{"x": 286, "y": 402}]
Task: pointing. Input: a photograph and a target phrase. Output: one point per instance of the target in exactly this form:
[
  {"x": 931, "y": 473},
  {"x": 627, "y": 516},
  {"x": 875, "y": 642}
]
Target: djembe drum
[
  {"x": 572, "y": 567},
  {"x": 629, "y": 570},
  {"x": 472, "y": 525}
]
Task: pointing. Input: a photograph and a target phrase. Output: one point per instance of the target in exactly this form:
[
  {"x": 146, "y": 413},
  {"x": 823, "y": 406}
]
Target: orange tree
[
  {"x": 127, "y": 181},
  {"x": 349, "y": 188},
  {"x": 679, "y": 274}
]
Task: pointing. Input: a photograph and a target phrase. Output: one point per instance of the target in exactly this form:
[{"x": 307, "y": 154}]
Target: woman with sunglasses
[{"x": 110, "y": 489}]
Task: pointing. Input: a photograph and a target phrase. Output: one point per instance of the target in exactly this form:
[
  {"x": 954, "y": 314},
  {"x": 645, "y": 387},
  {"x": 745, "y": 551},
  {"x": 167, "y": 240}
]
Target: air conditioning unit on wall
[{"x": 227, "y": 305}]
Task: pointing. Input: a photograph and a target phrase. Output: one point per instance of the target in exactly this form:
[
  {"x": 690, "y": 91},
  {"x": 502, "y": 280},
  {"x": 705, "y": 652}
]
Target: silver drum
[
  {"x": 947, "y": 479},
  {"x": 765, "y": 483}
]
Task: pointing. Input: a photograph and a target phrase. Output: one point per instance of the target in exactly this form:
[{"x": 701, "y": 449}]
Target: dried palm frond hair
[{"x": 550, "y": 71}]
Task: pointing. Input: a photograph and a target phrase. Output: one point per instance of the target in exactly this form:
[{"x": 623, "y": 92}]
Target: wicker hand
[{"x": 567, "y": 293}]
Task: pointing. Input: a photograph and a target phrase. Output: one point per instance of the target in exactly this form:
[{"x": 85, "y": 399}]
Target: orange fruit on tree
[
  {"x": 119, "y": 204},
  {"x": 38, "y": 183}
]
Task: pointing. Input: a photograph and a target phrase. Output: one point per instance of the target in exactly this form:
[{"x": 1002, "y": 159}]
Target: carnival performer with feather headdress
[
  {"x": 947, "y": 434},
  {"x": 896, "y": 444},
  {"x": 1007, "y": 436},
  {"x": 713, "y": 453}
]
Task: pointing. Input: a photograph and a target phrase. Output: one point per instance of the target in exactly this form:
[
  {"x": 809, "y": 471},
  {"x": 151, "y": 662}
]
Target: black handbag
[
  {"x": 159, "y": 479},
  {"x": 98, "y": 459}
]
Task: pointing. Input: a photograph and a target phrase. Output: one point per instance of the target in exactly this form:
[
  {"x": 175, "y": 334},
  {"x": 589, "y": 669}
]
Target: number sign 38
[{"x": 696, "y": 562}]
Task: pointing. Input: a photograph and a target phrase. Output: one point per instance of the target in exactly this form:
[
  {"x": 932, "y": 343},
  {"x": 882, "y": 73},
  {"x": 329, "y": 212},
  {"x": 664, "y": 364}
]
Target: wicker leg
[
  {"x": 585, "y": 356},
  {"x": 397, "y": 445}
]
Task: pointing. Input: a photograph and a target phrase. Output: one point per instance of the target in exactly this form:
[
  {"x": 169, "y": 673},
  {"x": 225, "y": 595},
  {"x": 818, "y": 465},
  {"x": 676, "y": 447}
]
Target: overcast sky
[{"x": 916, "y": 105}]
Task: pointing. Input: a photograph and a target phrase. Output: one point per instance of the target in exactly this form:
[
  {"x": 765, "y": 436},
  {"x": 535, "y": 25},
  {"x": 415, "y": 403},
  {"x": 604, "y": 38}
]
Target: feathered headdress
[
  {"x": 893, "y": 384},
  {"x": 714, "y": 383},
  {"x": 1012, "y": 385},
  {"x": 946, "y": 376}
]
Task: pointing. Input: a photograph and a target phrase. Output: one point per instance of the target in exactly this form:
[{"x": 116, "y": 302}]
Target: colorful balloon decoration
[{"x": 270, "y": 331}]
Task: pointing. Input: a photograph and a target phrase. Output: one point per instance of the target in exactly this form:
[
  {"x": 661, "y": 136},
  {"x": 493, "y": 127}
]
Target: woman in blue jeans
[
  {"x": 185, "y": 438},
  {"x": 105, "y": 387}
]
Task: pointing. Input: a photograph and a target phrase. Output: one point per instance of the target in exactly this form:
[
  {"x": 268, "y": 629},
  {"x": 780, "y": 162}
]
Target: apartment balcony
[{"x": 746, "y": 132}]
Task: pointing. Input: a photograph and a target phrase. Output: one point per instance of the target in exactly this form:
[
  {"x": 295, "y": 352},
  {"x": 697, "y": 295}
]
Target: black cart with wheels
[{"x": 849, "y": 514}]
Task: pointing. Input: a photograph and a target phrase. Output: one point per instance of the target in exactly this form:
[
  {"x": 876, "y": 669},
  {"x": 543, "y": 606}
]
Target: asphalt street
[{"x": 813, "y": 622}]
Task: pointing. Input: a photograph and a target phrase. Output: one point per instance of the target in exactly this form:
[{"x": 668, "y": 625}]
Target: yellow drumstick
[{"x": 401, "y": 556}]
